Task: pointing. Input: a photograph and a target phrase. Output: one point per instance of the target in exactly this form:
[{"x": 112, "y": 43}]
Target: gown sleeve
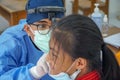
[
  {"x": 11, "y": 58},
  {"x": 14, "y": 64}
]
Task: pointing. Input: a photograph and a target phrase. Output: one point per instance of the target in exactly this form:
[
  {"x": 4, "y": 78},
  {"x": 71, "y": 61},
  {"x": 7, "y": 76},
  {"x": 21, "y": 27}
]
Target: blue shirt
[{"x": 17, "y": 54}]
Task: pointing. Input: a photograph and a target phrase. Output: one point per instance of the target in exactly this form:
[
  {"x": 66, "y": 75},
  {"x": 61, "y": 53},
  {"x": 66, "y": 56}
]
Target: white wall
[
  {"x": 114, "y": 11},
  {"x": 114, "y": 6},
  {"x": 68, "y": 6}
]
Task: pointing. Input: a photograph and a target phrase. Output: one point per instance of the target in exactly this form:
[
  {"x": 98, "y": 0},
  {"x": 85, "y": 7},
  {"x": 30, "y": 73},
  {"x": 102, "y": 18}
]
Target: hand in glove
[{"x": 40, "y": 69}]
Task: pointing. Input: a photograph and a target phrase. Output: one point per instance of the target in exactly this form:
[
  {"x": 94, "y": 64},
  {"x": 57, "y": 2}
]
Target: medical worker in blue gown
[{"x": 22, "y": 45}]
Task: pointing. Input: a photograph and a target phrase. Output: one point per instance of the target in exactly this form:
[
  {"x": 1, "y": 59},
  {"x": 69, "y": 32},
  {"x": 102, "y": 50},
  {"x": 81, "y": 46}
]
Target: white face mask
[
  {"x": 65, "y": 76},
  {"x": 40, "y": 40}
]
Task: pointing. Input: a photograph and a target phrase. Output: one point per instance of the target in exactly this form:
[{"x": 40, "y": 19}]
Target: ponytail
[{"x": 110, "y": 67}]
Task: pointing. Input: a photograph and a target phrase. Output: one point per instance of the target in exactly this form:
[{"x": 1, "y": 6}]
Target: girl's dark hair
[{"x": 79, "y": 36}]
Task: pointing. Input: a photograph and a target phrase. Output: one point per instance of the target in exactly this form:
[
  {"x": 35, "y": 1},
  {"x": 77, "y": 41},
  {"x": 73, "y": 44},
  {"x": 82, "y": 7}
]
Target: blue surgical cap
[{"x": 34, "y": 17}]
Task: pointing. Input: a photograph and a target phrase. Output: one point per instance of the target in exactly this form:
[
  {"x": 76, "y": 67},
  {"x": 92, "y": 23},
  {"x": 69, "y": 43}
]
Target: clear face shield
[{"x": 52, "y": 12}]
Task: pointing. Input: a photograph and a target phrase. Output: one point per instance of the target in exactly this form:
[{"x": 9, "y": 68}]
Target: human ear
[
  {"x": 81, "y": 63},
  {"x": 26, "y": 28},
  {"x": 28, "y": 31}
]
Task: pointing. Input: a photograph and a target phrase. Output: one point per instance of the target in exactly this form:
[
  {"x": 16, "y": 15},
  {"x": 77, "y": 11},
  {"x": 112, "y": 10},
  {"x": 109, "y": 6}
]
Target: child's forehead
[{"x": 54, "y": 43}]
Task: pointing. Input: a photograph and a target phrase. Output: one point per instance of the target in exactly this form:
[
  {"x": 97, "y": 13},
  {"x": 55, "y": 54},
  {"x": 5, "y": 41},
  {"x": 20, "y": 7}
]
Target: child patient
[{"x": 78, "y": 52}]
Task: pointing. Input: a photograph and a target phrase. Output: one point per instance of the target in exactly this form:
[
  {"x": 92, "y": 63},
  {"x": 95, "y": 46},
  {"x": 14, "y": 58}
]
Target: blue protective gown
[{"x": 17, "y": 54}]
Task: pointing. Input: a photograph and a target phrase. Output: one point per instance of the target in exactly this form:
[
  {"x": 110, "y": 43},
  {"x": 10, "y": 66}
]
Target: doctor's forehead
[{"x": 47, "y": 21}]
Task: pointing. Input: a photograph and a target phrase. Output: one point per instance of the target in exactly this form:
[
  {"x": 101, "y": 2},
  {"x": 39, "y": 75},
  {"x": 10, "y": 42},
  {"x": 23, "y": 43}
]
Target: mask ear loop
[
  {"x": 75, "y": 74},
  {"x": 70, "y": 67},
  {"x": 31, "y": 29}
]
